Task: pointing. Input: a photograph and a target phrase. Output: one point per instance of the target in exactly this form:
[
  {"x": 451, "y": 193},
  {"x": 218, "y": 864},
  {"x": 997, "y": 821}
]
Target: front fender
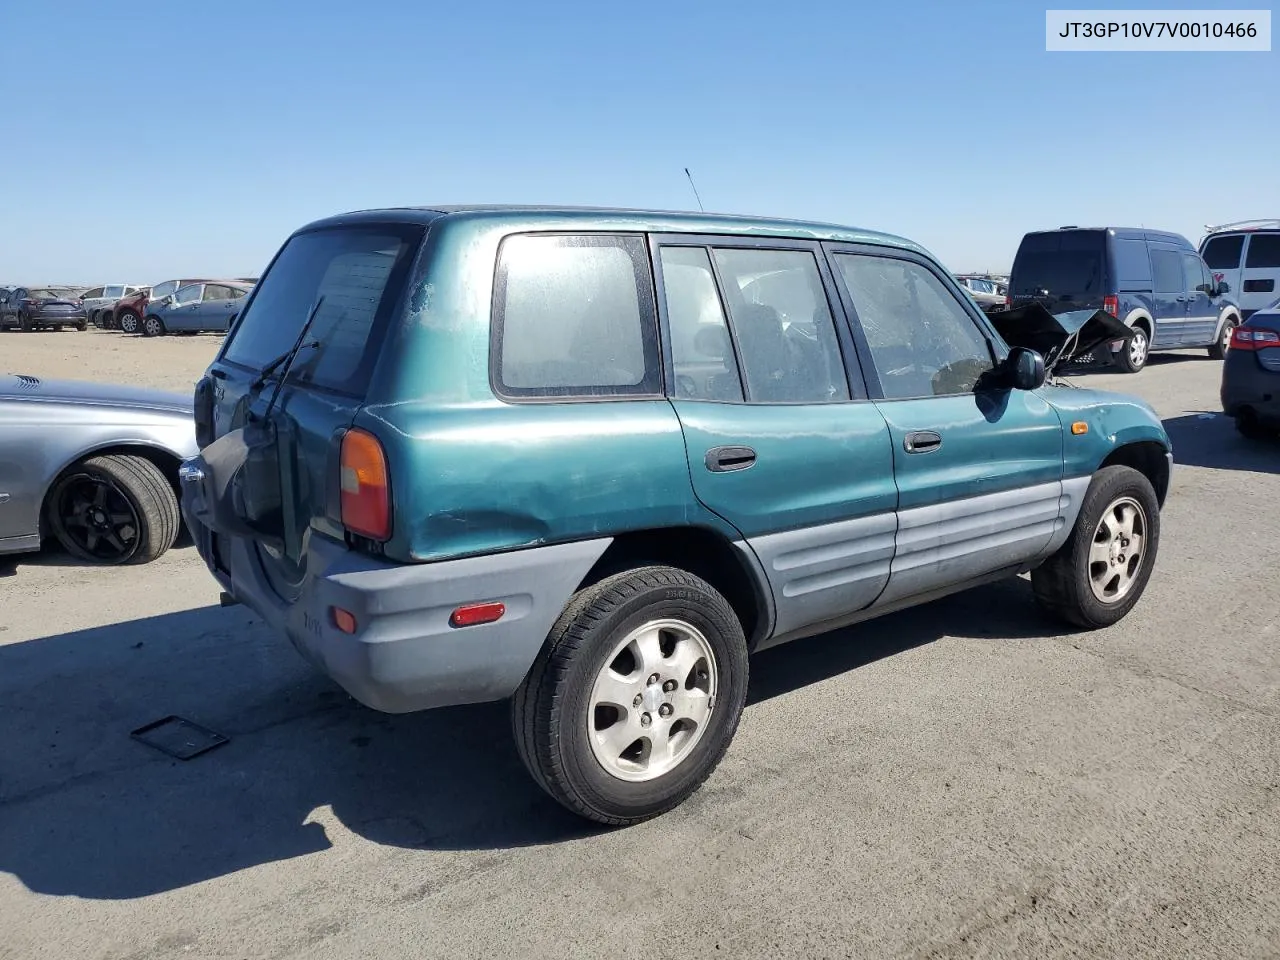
[{"x": 1112, "y": 421}]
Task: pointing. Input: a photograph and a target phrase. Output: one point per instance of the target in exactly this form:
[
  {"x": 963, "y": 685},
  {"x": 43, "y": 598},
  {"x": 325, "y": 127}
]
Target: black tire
[
  {"x": 24, "y": 323},
  {"x": 1218, "y": 351},
  {"x": 550, "y": 711},
  {"x": 82, "y": 326},
  {"x": 152, "y": 326},
  {"x": 128, "y": 321},
  {"x": 1133, "y": 354},
  {"x": 1249, "y": 426},
  {"x": 138, "y": 483},
  {"x": 1062, "y": 584}
]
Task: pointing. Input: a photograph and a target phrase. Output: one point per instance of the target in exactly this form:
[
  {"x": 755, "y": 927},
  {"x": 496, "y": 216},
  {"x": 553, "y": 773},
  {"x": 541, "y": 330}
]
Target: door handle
[
  {"x": 726, "y": 459},
  {"x": 922, "y": 441}
]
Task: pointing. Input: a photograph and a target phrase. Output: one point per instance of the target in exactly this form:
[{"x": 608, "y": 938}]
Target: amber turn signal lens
[
  {"x": 365, "y": 487},
  {"x": 1079, "y": 427}
]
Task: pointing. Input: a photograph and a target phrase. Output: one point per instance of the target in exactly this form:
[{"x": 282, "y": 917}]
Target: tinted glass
[
  {"x": 1069, "y": 262},
  {"x": 94, "y": 293},
  {"x": 1191, "y": 275},
  {"x": 1132, "y": 264},
  {"x": 1167, "y": 266},
  {"x": 359, "y": 271},
  {"x": 922, "y": 340},
  {"x": 701, "y": 346},
  {"x": 1223, "y": 253},
  {"x": 574, "y": 317},
  {"x": 1264, "y": 250},
  {"x": 782, "y": 325}
]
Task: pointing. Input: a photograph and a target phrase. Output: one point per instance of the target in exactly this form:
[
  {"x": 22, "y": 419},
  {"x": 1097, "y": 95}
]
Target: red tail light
[
  {"x": 365, "y": 486},
  {"x": 1253, "y": 338},
  {"x": 1111, "y": 305}
]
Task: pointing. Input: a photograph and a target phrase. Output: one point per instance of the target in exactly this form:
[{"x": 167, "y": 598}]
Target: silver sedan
[{"x": 94, "y": 466}]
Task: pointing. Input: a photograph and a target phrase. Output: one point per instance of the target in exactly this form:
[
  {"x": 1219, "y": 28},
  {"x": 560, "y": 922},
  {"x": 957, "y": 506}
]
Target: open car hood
[{"x": 1058, "y": 337}]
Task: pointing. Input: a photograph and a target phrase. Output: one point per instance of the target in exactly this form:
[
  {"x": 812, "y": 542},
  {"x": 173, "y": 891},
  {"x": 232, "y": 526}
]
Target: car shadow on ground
[
  {"x": 87, "y": 811},
  {"x": 1207, "y": 438}
]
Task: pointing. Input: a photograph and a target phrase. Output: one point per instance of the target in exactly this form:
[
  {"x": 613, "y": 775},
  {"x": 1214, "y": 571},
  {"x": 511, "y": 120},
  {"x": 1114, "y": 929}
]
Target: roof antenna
[{"x": 695, "y": 189}]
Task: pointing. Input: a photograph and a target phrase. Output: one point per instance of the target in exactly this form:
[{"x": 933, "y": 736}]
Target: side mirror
[
  {"x": 1025, "y": 369},
  {"x": 1223, "y": 287}
]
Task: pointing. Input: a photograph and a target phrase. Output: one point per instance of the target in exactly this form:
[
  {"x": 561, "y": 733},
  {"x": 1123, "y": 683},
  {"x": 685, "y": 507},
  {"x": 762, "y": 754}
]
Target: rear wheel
[
  {"x": 24, "y": 323},
  {"x": 152, "y": 326},
  {"x": 636, "y": 696},
  {"x": 1132, "y": 356},
  {"x": 1249, "y": 426},
  {"x": 114, "y": 509},
  {"x": 1100, "y": 573},
  {"x": 1219, "y": 350},
  {"x": 128, "y": 321}
]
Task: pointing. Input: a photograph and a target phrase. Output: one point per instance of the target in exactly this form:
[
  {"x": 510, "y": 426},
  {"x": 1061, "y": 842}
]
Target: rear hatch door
[
  {"x": 1062, "y": 270},
  {"x": 348, "y": 280}
]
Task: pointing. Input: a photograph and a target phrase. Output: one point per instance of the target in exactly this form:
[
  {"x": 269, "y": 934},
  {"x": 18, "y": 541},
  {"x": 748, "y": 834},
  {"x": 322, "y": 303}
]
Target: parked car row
[{"x": 172, "y": 306}]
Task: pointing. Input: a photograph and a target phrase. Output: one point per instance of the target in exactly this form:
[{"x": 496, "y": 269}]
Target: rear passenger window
[
  {"x": 923, "y": 342},
  {"x": 1132, "y": 265},
  {"x": 701, "y": 347},
  {"x": 1223, "y": 253},
  {"x": 1264, "y": 250},
  {"x": 1167, "y": 266},
  {"x": 782, "y": 325},
  {"x": 573, "y": 317}
]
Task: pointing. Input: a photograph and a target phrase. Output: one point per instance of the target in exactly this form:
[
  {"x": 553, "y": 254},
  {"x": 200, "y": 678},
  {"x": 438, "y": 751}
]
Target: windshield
[
  {"x": 162, "y": 290},
  {"x": 187, "y": 294},
  {"x": 360, "y": 272}
]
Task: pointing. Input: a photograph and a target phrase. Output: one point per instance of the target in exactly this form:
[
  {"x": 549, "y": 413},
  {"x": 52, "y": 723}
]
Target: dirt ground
[
  {"x": 170, "y": 363},
  {"x": 967, "y": 779}
]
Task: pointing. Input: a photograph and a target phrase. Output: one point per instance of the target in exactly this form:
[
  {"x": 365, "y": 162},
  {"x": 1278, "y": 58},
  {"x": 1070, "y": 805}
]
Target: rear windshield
[
  {"x": 1066, "y": 262},
  {"x": 359, "y": 271}
]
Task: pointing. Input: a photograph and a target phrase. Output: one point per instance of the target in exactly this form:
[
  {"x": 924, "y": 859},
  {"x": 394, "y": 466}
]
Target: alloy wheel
[
  {"x": 1118, "y": 550},
  {"x": 652, "y": 700},
  {"x": 96, "y": 515}
]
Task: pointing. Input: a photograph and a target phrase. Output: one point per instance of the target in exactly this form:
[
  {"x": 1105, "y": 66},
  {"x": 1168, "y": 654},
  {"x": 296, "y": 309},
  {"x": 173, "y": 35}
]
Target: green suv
[{"x": 591, "y": 460}]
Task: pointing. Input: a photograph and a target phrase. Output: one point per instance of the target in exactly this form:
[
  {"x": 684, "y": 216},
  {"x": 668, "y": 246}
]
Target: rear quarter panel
[{"x": 474, "y": 474}]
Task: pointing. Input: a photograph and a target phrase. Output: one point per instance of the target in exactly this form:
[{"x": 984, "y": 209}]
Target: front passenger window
[{"x": 923, "y": 342}]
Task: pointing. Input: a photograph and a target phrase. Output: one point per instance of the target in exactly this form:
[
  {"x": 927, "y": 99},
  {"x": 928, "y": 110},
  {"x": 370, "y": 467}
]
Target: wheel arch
[
  {"x": 164, "y": 459},
  {"x": 705, "y": 553},
  {"x": 1148, "y": 457},
  {"x": 1141, "y": 317}
]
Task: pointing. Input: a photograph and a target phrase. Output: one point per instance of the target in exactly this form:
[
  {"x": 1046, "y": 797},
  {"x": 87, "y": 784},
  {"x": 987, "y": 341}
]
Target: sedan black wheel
[{"x": 114, "y": 509}]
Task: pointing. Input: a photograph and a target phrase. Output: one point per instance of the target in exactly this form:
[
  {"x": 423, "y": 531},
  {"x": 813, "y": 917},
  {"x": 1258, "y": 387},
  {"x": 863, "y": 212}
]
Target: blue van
[{"x": 1156, "y": 282}]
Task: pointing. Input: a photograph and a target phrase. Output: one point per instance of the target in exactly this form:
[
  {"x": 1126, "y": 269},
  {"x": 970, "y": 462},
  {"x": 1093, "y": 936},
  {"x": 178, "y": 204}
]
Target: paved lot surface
[{"x": 963, "y": 780}]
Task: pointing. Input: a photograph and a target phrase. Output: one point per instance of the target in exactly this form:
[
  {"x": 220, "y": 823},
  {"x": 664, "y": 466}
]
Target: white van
[{"x": 1246, "y": 256}]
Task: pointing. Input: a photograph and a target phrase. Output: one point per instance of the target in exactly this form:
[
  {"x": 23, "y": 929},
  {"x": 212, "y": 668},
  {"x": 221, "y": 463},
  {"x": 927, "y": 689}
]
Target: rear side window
[
  {"x": 1132, "y": 264},
  {"x": 356, "y": 274},
  {"x": 1264, "y": 250},
  {"x": 1223, "y": 253},
  {"x": 1067, "y": 262},
  {"x": 573, "y": 317},
  {"x": 1167, "y": 266}
]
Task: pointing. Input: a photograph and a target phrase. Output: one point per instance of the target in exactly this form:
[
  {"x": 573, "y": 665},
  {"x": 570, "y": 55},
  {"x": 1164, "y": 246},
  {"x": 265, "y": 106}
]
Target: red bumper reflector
[
  {"x": 344, "y": 620},
  {"x": 476, "y": 613}
]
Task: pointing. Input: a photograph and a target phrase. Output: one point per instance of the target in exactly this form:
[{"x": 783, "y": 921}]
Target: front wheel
[
  {"x": 1100, "y": 573},
  {"x": 1132, "y": 357},
  {"x": 1219, "y": 350},
  {"x": 129, "y": 321},
  {"x": 152, "y": 326},
  {"x": 635, "y": 697}
]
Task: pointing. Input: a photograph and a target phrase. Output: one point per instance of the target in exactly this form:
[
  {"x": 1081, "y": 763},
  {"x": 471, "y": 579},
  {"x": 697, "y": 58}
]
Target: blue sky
[{"x": 163, "y": 139}]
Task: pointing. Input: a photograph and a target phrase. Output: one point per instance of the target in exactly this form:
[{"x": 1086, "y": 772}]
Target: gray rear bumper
[{"x": 405, "y": 655}]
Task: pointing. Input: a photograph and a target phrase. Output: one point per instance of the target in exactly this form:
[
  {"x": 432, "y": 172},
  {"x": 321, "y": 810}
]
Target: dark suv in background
[{"x": 1154, "y": 281}]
